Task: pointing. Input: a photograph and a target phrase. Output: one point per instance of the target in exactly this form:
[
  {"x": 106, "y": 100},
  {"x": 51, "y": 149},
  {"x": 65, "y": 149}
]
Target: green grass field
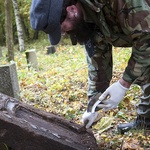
[{"x": 60, "y": 87}]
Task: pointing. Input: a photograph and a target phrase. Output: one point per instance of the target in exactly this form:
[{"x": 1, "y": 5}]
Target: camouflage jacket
[{"x": 119, "y": 23}]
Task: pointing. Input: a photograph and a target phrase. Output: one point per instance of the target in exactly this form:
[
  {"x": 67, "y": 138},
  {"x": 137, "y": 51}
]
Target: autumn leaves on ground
[{"x": 60, "y": 87}]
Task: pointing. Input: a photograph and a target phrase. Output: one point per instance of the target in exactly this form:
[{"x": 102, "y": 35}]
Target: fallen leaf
[{"x": 104, "y": 124}]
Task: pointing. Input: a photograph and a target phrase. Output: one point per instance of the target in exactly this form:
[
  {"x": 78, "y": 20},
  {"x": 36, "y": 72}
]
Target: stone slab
[
  {"x": 9, "y": 80},
  {"x": 32, "y": 59},
  {"x": 23, "y": 127},
  {"x": 51, "y": 50}
]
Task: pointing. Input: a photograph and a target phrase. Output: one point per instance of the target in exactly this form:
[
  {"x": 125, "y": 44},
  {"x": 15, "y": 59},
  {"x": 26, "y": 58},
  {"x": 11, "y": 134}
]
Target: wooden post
[{"x": 32, "y": 59}]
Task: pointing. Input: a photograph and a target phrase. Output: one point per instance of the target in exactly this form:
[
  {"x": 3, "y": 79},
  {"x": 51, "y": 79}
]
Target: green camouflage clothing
[{"x": 120, "y": 23}]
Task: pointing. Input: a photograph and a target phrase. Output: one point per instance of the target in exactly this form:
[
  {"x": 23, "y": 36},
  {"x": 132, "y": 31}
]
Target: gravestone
[
  {"x": 32, "y": 59},
  {"x": 23, "y": 127},
  {"x": 9, "y": 80},
  {"x": 51, "y": 49}
]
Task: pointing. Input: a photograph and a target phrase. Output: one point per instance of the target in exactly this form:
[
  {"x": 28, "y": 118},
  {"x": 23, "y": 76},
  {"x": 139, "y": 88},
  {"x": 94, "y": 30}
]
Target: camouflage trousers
[
  {"x": 99, "y": 85},
  {"x": 143, "y": 108}
]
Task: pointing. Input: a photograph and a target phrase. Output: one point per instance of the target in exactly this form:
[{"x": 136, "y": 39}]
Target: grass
[{"x": 60, "y": 87}]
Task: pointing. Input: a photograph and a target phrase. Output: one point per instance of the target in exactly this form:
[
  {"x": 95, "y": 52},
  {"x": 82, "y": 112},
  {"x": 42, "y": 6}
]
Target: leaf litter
[{"x": 60, "y": 86}]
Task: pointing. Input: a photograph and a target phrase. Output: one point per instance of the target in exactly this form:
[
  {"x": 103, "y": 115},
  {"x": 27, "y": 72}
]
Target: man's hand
[
  {"x": 88, "y": 118},
  {"x": 116, "y": 93}
]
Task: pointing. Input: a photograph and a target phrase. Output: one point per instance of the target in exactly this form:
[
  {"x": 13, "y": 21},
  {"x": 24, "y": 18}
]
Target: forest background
[{"x": 60, "y": 84}]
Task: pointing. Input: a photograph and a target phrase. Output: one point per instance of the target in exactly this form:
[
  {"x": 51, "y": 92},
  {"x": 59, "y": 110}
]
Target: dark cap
[{"x": 45, "y": 16}]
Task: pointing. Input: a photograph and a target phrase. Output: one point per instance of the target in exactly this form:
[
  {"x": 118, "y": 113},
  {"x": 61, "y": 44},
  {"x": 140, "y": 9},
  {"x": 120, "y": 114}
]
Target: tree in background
[
  {"x": 9, "y": 32},
  {"x": 2, "y": 22},
  {"x": 20, "y": 22},
  {"x": 19, "y": 26}
]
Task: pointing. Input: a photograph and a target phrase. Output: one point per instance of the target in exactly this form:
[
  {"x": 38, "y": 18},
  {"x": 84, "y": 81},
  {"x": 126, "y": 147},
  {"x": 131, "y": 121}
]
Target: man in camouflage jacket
[{"x": 99, "y": 25}]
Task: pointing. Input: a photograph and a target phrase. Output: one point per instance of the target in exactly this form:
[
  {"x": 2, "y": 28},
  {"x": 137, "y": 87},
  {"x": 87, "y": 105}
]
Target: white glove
[
  {"x": 116, "y": 92},
  {"x": 88, "y": 118}
]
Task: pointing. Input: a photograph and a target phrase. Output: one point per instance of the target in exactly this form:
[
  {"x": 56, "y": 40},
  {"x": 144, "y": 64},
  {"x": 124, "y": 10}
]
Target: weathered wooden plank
[{"x": 22, "y": 127}]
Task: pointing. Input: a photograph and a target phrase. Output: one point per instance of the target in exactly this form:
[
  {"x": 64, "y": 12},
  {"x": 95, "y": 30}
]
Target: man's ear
[{"x": 72, "y": 8}]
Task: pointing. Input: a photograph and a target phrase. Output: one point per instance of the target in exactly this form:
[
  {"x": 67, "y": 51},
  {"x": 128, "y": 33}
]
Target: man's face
[
  {"x": 72, "y": 20},
  {"x": 74, "y": 24}
]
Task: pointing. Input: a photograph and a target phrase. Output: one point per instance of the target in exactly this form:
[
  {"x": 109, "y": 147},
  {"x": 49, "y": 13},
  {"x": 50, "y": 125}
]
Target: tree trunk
[
  {"x": 19, "y": 26},
  {"x": 25, "y": 28},
  {"x": 2, "y": 32},
  {"x": 9, "y": 35},
  {"x": 36, "y": 35}
]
